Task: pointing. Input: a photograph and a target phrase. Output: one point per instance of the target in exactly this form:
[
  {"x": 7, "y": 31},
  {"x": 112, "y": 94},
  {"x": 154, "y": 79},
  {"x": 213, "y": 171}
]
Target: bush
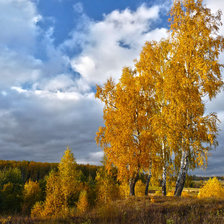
[{"x": 212, "y": 188}]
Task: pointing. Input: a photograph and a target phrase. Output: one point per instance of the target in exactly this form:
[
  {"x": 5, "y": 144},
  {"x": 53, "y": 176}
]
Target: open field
[{"x": 151, "y": 209}]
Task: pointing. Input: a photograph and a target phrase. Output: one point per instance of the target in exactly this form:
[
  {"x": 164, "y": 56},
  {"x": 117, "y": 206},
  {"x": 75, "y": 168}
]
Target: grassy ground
[{"x": 152, "y": 209}]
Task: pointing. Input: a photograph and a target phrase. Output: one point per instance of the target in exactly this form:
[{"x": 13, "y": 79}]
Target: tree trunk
[
  {"x": 182, "y": 173},
  {"x": 132, "y": 183},
  {"x": 164, "y": 170},
  {"x": 164, "y": 181},
  {"x": 147, "y": 183}
]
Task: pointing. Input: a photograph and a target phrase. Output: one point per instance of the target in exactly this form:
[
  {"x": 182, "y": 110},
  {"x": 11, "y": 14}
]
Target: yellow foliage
[
  {"x": 170, "y": 193},
  {"x": 31, "y": 194},
  {"x": 54, "y": 203},
  {"x": 212, "y": 188},
  {"x": 158, "y": 193},
  {"x": 185, "y": 194},
  {"x": 154, "y": 181},
  {"x": 126, "y": 137},
  {"x": 82, "y": 205},
  {"x": 37, "y": 209},
  {"x": 139, "y": 189},
  {"x": 68, "y": 175},
  {"x": 124, "y": 190},
  {"x": 107, "y": 188},
  {"x": 61, "y": 187},
  {"x": 157, "y": 109},
  {"x": 6, "y": 220}
]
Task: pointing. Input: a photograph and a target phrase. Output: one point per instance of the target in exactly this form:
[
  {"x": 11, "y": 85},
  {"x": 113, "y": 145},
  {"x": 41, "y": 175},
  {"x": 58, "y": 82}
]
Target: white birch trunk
[
  {"x": 182, "y": 173},
  {"x": 132, "y": 183},
  {"x": 147, "y": 183},
  {"x": 164, "y": 171}
]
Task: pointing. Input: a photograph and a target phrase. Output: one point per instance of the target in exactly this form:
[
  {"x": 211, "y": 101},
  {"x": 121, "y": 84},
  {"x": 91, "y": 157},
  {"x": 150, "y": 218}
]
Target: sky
[{"x": 52, "y": 55}]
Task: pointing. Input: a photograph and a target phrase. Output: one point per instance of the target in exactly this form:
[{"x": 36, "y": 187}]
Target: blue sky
[{"x": 52, "y": 55}]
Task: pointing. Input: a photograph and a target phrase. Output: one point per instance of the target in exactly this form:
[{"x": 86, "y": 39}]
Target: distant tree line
[{"x": 36, "y": 171}]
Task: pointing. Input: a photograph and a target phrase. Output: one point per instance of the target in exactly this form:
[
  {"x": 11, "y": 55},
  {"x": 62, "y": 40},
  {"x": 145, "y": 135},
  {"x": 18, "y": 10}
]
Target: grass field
[{"x": 150, "y": 209}]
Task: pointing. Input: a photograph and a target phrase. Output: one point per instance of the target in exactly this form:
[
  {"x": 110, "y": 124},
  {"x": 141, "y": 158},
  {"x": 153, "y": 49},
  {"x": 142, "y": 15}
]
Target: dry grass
[
  {"x": 164, "y": 210},
  {"x": 167, "y": 210}
]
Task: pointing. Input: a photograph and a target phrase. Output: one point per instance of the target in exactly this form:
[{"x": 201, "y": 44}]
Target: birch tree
[
  {"x": 196, "y": 46},
  {"x": 152, "y": 67},
  {"x": 126, "y": 137}
]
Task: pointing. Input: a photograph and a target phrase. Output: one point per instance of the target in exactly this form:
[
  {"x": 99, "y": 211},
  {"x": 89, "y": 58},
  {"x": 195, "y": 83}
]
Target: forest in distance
[{"x": 155, "y": 131}]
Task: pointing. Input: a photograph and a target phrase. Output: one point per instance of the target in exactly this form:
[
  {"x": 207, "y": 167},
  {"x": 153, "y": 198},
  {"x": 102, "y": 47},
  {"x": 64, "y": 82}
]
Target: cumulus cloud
[
  {"x": 110, "y": 44},
  {"x": 17, "y": 68},
  {"x": 18, "y": 24},
  {"x": 27, "y": 52}
]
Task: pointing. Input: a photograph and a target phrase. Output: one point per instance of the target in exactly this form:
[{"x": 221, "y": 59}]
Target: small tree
[
  {"x": 68, "y": 176},
  {"x": 31, "y": 194},
  {"x": 61, "y": 188},
  {"x": 53, "y": 205},
  {"x": 82, "y": 205}
]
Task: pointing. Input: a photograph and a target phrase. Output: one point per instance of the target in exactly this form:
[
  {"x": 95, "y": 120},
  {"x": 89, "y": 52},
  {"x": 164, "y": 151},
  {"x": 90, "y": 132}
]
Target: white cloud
[
  {"x": 18, "y": 24},
  {"x": 114, "y": 42},
  {"x": 20, "y": 40},
  {"x": 19, "y": 31},
  {"x": 17, "y": 68}
]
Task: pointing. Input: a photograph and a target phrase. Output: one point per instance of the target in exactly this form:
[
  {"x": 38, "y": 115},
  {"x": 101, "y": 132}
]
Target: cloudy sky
[{"x": 52, "y": 55}]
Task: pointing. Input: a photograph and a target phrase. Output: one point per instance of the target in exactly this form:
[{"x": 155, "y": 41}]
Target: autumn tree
[
  {"x": 152, "y": 68},
  {"x": 196, "y": 46},
  {"x": 31, "y": 194},
  {"x": 54, "y": 203},
  {"x": 68, "y": 176},
  {"x": 126, "y": 137},
  {"x": 62, "y": 188},
  {"x": 82, "y": 205},
  {"x": 157, "y": 110}
]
